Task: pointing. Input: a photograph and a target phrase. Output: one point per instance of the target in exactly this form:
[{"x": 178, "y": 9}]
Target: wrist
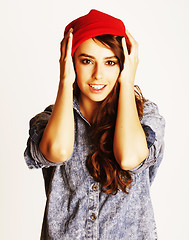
[
  {"x": 127, "y": 85},
  {"x": 68, "y": 85}
]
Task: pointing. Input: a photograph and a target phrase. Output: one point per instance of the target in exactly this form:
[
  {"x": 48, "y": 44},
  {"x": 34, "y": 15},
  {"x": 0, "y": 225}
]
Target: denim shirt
[{"x": 76, "y": 208}]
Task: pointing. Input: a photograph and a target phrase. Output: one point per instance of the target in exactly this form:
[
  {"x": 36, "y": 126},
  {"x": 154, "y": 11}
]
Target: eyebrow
[{"x": 89, "y": 56}]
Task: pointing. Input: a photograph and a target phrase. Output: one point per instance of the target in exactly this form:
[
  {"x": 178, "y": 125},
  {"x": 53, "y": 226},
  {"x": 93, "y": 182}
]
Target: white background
[{"x": 30, "y": 33}]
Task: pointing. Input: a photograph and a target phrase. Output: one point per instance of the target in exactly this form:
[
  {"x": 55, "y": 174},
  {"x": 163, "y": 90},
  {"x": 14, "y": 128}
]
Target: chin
[{"x": 98, "y": 98}]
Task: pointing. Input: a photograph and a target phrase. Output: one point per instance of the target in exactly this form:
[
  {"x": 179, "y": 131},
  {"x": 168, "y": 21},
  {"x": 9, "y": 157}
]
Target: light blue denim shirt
[{"x": 76, "y": 208}]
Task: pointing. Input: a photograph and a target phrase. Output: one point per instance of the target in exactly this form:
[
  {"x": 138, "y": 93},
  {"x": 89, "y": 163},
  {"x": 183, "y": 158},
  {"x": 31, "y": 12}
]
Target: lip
[{"x": 97, "y": 90}]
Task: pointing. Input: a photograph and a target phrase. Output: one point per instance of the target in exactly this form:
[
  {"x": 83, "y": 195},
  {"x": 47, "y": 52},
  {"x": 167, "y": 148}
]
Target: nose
[{"x": 97, "y": 72}]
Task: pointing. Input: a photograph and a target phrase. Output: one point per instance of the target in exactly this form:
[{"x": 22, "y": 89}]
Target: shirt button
[
  {"x": 94, "y": 187},
  {"x": 93, "y": 216}
]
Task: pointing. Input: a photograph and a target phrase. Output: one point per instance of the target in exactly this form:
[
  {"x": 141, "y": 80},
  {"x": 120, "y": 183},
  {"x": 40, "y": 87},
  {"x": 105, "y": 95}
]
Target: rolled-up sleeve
[
  {"x": 154, "y": 121},
  {"x": 33, "y": 156}
]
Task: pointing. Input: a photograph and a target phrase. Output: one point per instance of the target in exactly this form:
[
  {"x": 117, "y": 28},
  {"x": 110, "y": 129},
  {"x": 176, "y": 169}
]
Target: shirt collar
[{"x": 77, "y": 109}]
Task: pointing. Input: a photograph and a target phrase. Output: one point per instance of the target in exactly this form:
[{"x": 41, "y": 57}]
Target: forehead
[{"x": 94, "y": 48}]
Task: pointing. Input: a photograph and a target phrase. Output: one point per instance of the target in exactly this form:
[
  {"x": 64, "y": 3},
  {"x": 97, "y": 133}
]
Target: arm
[
  {"x": 130, "y": 145},
  {"x": 58, "y": 137}
]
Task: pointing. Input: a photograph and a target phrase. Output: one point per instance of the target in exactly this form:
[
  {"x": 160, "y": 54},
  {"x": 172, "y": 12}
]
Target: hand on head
[
  {"x": 89, "y": 26},
  {"x": 67, "y": 72},
  {"x": 131, "y": 61}
]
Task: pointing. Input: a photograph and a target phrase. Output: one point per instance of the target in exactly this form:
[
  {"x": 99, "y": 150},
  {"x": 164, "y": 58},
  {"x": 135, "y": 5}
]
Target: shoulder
[
  {"x": 49, "y": 108},
  {"x": 153, "y": 118},
  {"x": 151, "y": 111},
  {"x": 150, "y": 107},
  {"x": 42, "y": 116}
]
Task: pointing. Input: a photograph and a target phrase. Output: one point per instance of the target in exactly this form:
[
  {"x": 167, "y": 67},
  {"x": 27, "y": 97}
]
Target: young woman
[{"x": 100, "y": 144}]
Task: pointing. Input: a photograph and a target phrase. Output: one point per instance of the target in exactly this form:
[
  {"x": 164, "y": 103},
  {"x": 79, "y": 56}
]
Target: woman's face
[{"x": 97, "y": 70}]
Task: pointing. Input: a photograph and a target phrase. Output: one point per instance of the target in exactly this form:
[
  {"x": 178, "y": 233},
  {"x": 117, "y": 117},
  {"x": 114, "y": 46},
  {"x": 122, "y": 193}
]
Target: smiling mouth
[{"x": 97, "y": 86}]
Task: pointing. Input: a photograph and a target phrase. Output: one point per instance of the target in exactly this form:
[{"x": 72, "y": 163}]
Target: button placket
[
  {"x": 93, "y": 208},
  {"x": 93, "y": 216},
  {"x": 94, "y": 187}
]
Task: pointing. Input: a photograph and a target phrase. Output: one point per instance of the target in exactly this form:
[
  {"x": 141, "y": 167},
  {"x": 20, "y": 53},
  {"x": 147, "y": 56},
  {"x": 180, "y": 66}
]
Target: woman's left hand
[{"x": 131, "y": 61}]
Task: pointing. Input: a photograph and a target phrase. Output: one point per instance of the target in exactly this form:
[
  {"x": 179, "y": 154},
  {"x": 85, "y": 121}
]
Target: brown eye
[
  {"x": 86, "y": 61},
  {"x": 110, "y": 63}
]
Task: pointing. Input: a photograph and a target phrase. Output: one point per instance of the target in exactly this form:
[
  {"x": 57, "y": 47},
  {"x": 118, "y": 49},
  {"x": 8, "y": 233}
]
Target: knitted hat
[{"x": 93, "y": 24}]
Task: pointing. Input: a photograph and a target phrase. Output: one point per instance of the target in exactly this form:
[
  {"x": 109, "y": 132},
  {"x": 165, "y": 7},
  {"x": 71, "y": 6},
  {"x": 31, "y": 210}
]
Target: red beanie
[{"x": 93, "y": 24}]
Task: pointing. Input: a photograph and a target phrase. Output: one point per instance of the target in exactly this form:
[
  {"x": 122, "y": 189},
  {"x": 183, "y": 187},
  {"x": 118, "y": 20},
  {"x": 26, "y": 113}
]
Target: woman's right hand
[
  {"x": 67, "y": 72},
  {"x": 58, "y": 138}
]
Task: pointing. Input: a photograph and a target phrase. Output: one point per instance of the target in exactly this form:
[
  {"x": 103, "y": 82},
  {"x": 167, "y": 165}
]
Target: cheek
[
  {"x": 81, "y": 71},
  {"x": 77, "y": 69},
  {"x": 113, "y": 75},
  {"x": 81, "y": 76}
]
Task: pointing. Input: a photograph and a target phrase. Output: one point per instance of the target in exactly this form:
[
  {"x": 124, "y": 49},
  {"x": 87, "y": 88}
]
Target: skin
[
  {"x": 130, "y": 146},
  {"x": 58, "y": 138},
  {"x": 95, "y": 64}
]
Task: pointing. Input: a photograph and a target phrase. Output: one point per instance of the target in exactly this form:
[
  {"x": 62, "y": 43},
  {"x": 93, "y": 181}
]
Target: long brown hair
[{"x": 101, "y": 162}]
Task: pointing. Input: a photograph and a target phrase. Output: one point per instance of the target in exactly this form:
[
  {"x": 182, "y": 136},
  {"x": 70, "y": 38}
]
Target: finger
[
  {"x": 124, "y": 47},
  {"x": 63, "y": 44},
  {"x": 62, "y": 48},
  {"x": 69, "y": 45},
  {"x": 134, "y": 44}
]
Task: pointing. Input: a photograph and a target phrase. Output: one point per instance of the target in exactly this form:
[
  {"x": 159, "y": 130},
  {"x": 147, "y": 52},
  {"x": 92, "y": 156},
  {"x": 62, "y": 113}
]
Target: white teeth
[{"x": 100, "y": 86}]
